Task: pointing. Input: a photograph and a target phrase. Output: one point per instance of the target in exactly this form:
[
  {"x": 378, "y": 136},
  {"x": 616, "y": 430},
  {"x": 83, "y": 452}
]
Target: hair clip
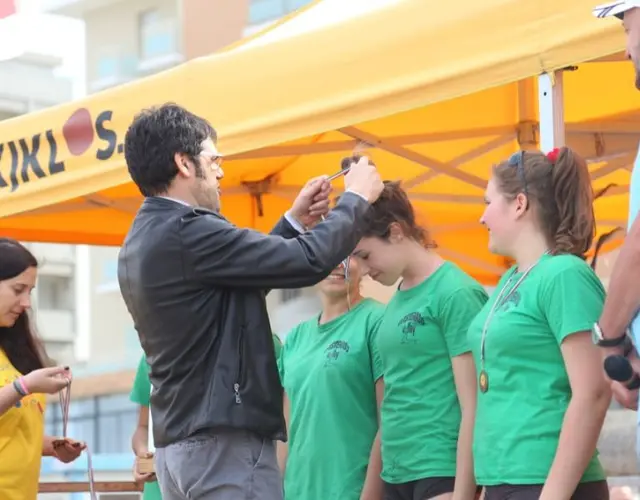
[{"x": 552, "y": 155}]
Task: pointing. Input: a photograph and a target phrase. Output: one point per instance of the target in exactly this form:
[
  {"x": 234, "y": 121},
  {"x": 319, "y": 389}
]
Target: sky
[{"x": 32, "y": 30}]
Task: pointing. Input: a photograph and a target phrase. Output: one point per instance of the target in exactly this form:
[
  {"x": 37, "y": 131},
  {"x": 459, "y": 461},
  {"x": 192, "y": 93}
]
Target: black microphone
[{"x": 619, "y": 368}]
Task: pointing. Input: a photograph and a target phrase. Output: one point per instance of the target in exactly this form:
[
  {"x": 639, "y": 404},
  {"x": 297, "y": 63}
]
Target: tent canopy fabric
[{"x": 377, "y": 74}]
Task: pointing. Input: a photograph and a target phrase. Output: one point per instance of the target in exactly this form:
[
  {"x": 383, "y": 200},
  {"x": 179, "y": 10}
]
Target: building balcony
[
  {"x": 28, "y": 83},
  {"x": 159, "y": 43},
  {"x": 53, "y": 253}
]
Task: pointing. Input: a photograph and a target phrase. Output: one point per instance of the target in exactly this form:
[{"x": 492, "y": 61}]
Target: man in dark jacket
[{"x": 195, "y": 286}]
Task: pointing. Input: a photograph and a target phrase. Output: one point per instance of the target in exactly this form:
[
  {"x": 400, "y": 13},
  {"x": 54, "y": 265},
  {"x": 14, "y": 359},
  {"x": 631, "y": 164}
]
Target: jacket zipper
[{"x": 236, "y": 385}]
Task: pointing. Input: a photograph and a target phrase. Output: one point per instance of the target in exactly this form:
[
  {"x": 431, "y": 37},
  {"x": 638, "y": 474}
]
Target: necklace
[
  {"x": 65, "y": 401},
  {"x": 483, "y": 378}
]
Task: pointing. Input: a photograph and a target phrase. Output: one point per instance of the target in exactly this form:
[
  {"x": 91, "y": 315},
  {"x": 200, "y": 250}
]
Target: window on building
[
  {"x": 114, "y": 65},
  {"x": 157, "y": 35},
  {"x": 291, "y": 294},
  {"x": 55, "y": 292},
  {"x": 262, "y": 11},
  {"x": 105, "y": 423},
  {"x": 117, "y": 419},
  {"x": 296, "y": 4},
  {"x": 107, "y": 67}
]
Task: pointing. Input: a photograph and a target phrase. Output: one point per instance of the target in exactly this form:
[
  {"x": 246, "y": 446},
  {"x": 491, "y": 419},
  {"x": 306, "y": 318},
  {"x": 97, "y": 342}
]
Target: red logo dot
[{"x": 78, "y": 132}]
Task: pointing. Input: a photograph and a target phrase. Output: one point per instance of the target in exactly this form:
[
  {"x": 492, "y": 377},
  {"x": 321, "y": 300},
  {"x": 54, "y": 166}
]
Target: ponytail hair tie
[{"x": 552, "y": 155}]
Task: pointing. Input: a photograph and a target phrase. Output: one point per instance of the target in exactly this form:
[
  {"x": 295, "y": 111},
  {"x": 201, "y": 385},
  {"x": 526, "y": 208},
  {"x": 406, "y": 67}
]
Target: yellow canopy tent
[{"x": 291, "y": 103}]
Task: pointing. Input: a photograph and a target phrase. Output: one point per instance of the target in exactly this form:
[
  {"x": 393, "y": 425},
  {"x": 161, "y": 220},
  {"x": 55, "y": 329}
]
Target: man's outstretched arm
[{"x": 623, "y": 297}]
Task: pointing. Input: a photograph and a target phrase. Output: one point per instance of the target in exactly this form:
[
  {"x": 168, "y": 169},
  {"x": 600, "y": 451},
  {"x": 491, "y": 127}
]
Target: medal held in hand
[{"x": 65, "y": 401}]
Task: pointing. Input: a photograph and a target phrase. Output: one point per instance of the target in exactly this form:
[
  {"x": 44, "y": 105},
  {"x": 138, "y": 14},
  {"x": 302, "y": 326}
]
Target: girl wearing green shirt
[
  {"x": 140, "y": 394},
  {"x": 331, "y": 373},
  {"x": 430, "y": 390},
  {"x": 542, "y": 395}
]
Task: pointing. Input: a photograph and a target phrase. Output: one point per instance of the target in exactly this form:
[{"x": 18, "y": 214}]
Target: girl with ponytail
[{"x": 542, "y": 396}]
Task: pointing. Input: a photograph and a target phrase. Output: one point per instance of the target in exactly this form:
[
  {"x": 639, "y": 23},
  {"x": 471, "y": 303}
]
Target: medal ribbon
[
  {"x": 65, "y": 401},
  {"x": 501, "y": 299}
]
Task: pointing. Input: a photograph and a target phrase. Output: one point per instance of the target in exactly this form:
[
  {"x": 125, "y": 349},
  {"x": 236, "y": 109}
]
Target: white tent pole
[
  {"x": 151, "y": 445},
  {"x": 551, "y": 107}
]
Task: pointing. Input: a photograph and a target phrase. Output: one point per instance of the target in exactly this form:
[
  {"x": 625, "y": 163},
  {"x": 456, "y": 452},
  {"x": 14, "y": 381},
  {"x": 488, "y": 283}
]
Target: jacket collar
[{"x": 164, "y": 203}]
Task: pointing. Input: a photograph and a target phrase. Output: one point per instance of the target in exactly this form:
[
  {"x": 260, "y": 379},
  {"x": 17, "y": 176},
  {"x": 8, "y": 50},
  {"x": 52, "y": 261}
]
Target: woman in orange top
[{"x": 24, "y": 378}]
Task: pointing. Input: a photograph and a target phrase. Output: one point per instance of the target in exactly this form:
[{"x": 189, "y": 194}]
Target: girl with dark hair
[
  {"x": 24, "y": 379},
  {"x": 430, "y": 391},
  {"x": 542, "y": 394}
]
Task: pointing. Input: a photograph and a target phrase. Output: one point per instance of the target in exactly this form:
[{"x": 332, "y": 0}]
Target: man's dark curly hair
[{"x": 154, "y": 138}]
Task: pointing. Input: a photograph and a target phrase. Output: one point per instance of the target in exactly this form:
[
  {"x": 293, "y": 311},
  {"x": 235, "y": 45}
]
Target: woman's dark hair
[
  {"x": 19, "y": 342},
  {"x": 393, "y": 205},
  {"x": 559, "y": 192}
]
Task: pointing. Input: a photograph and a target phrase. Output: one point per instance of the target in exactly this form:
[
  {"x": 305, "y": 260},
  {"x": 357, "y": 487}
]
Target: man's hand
[
  {"x": 312, "y": 202},
  {"x": 626, "y": 397},
  {"x": 364, "y": 179}
]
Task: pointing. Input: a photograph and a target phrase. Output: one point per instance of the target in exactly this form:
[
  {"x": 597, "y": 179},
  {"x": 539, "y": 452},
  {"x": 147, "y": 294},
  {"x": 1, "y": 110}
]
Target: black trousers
[
  {"x": 421, "y": 489},
  {"x": 596, "y": 490}
]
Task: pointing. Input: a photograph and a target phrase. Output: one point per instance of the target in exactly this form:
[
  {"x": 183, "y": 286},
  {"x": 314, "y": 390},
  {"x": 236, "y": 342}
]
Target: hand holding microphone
[{"x": 619, "y": 368}]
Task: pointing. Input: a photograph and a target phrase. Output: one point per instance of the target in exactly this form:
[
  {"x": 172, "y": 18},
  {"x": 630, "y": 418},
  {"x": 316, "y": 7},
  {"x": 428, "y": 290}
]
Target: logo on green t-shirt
[
  {"x": 334, "y": 350},
  {"x": 408, "y": 325},
  {"x": 510, "y": 302}
]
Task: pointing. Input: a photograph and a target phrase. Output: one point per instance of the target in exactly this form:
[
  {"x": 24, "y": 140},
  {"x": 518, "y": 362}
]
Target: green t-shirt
[
  {"x": 277, "y": 346},
  {"x": 140, "y": 394},
  {"x": 422, "y": 329},
  {"x": 329, "y": 373},
  {"x": 518, "y": 420}
]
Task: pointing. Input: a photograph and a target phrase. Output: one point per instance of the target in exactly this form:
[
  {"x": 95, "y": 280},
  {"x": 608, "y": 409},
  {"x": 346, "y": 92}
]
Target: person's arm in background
[
  {"x": 283, "y": 448},
  {"x": 140, "y": 394},
  {"x": 623, "y": 296},
  {"x": 220, "y": 254},
  {"x": 570, "y": 321},
  {"x": 464, "y": 373},
  {"x": 373, "y": 488},
  {"x": 620, "y": 307},
  {"x": 140, "y": 445}
]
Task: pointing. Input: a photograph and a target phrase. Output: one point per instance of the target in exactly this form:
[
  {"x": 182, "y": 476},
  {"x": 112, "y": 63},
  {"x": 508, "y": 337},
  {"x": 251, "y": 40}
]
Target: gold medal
[{"x": 483, "y": 381}]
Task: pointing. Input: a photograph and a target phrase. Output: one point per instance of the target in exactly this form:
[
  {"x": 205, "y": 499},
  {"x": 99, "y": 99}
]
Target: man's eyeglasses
[
  {"x": 214, "y": 159},
  {"x": 517, "y": 160}
]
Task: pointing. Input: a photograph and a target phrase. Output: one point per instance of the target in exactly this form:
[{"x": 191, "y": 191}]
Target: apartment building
[{"x": 135, "y": 38}]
